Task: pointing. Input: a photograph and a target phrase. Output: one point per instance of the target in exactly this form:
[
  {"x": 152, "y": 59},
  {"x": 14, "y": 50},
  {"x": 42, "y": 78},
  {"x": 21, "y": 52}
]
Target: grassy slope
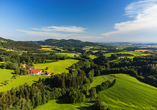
[
  {"x": 5, "y": 74},
  {"x": 92, "y": 56},
  {"x": 21, "y": 80},
  {"x": 57, "y": 67},
  {"x": 65, "y": 54},
  {"x": 130, "y": 94},
  {"x": 99, "y": 79},
  {"x": 130, "y": 52},
  {"x": 127, "y": 94},
  {"x": 53, "y": 105}
]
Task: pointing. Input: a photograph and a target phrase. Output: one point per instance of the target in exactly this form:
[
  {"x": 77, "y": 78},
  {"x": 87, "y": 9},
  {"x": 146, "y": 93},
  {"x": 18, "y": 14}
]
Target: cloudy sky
[{"x": 86, "y": 20}]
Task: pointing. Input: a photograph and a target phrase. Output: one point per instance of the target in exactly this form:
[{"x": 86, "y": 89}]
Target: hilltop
[
  {"x": 64, "y": 43},
  {"x": 17, "y": 45}
]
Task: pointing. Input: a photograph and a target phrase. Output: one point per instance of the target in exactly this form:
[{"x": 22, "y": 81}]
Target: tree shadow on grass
[
  {"x": 61, "y": 101},
  {"x": 89, "y": 107},
  {"x": 12, "y": 72}
]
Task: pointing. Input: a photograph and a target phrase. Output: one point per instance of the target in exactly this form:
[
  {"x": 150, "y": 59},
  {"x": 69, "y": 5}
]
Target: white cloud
[
  {"x": 46, "y": 34},
  {"x": 62, "y": 29},
  {"x": 144, "y": 13},
  {"x": 88, "y": 37}
]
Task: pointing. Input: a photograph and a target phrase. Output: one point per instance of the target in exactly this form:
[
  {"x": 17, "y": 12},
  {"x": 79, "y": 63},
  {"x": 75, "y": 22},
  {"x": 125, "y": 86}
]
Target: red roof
[
  {"x": 24, "y": 65},
  {"x": 34, "y": 71},
  {"x": 48, "y": 73}
]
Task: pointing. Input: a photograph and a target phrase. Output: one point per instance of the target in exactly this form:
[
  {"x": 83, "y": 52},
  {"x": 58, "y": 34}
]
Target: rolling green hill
[
  {"x": 17, "y": 45},
  {"x": 129, "y": 94},
  {"x": 62, "y": 43}
]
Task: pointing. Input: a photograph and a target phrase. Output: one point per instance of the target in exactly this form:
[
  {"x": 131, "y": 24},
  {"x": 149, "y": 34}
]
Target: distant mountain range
[
  {"x": 34, "y": 45},
  {"x": 17, "y": 45},
  {"x": 64, "y": 43}
]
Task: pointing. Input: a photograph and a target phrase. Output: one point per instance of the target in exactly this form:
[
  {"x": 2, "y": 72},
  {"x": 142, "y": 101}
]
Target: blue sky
[{"x": 86, "y": 20}]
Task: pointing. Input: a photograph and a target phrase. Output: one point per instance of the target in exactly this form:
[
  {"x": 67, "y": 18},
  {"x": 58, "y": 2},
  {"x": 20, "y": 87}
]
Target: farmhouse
[{"x": 34, "y": 71}]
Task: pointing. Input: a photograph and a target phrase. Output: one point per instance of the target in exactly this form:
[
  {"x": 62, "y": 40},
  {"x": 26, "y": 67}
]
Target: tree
[
  {"x": 114, "y": 56},
  {"x": 75, "y": 96},
  {"x": 46, "y": 68},
  {"x": 100, "y": 105},
  {"x": 93, "y": 92}
]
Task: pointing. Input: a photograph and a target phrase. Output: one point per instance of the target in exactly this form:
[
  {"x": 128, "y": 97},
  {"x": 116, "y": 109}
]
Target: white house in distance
[{"x": 34, "y": 71}]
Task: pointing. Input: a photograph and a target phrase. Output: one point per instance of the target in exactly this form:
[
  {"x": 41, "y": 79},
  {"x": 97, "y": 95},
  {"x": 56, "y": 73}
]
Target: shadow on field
[
  {"x": 88, "y": 107},
  {"x": 60, "y": 101},
  {"x": 12, "y": 72},
  {"x": 110, "y": 58},
  {"x": 1, "y": 67},
  {"x": 84, "y": 108}
]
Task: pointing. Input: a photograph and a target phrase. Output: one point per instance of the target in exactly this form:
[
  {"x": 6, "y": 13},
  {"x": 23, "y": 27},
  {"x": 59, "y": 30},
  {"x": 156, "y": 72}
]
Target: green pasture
[
  {"x": 57, "y": 67},
  {"x": 130, "y": 52},
  {"x": 56, "y": 105},
  {"x": 92, "y": 56},
  {"x": 5, "y": 74},
  {"x": 99, "y": 79},
  {"x": 65, "y": 54},
  {"x": 30, "y": 79},
  {"x": 129, "y": 94}
]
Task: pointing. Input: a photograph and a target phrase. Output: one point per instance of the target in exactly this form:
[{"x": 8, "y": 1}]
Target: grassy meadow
[
  {"x": 5, "y": 74},
  {"x": 130, "y": 52},
  {"x": 92, "y": 56},
  {"x": 129, "y": 94},
  {"x": 54, "y": 105},
  {"x": 127, "y": 52},
  {"x": 57, "y": 67},
  {"x": 99, "y": 79},
  {"x": 65, "y": 54},
  {"x": 30, "y": 79}
]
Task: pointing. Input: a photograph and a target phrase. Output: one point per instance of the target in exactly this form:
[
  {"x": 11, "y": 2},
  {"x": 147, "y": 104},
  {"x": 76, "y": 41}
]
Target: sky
[{"x": 86, "y": 20}]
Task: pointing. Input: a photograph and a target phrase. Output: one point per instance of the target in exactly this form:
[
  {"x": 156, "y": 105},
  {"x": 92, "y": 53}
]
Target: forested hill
[
  {"x": 18, "y": 45},
  {"x": 63, "y": 43}
]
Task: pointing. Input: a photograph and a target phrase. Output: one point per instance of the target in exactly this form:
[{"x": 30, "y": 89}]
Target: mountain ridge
[
  {"x": 64, "y": 42},
  {"x": 17, "y": 45}
]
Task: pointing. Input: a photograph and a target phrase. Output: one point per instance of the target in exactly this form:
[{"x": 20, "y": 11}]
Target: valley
[{"x": 120, "y": 79}]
